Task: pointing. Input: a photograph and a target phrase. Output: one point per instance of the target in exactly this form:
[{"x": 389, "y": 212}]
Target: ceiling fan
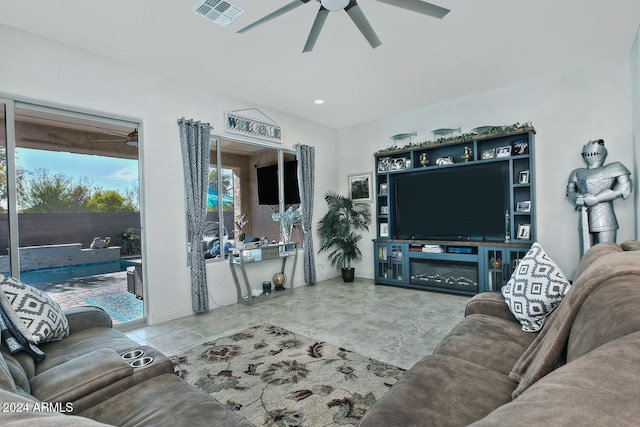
[
  {"x": 131, "y": 138},
  {"x": 354, "y": 12}
]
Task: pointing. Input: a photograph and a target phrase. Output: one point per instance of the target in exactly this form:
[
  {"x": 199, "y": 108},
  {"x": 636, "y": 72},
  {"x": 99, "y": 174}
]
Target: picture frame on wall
[
  {"x": 523, "y": 177},
  {"x": 524, "y": 232},
  {"x": 360, "y": 187}
]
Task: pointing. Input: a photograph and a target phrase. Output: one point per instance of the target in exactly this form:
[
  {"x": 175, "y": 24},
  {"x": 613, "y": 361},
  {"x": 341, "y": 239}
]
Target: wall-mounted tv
[
  {"x": 466, "y": 202},
  {"x": 268, "y": 184}
]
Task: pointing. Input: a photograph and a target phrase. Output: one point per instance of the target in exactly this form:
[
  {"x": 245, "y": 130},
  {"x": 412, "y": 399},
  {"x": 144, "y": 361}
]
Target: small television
[
  {"x": 268, "y": 184},
  {"x": 451, "y": 203}
]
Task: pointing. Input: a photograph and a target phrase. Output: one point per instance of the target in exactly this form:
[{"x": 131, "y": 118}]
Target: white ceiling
[{"x": 478, "y": 46}]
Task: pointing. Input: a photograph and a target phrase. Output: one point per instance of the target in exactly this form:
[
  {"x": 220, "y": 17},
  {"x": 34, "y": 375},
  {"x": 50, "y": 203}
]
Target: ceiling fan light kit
[{"x": 355, "y": 13}]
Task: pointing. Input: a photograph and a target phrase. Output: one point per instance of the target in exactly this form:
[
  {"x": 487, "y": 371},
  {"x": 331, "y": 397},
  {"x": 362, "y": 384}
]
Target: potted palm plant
[{"x": 337, "y": 231}]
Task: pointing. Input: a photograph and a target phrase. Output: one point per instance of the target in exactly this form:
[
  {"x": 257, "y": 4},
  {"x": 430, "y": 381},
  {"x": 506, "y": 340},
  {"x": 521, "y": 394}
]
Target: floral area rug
[{"x": 274, "y": 377}]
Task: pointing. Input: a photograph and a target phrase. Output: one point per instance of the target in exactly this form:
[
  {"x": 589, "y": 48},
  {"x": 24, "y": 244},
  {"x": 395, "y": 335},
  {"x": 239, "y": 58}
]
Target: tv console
[{"x": 470, "y": 263}]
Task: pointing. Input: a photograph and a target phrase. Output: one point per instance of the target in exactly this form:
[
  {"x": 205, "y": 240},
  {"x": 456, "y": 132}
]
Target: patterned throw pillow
[
  {"x": 536, "y": 287},
  {"x": 38, "y": 317}
]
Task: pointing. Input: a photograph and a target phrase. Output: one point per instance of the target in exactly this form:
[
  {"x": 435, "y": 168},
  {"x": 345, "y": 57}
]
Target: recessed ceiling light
[{"x": 319, "y": 101}]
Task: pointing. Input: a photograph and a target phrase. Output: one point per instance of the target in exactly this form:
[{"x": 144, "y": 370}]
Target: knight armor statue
[{"x": 592, "y": 191}]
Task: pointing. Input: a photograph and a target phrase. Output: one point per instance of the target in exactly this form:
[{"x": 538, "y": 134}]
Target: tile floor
[{"x": 394, "y": 325}]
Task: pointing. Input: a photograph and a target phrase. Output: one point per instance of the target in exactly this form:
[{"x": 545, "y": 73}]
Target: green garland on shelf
[{"x": 459, "y": 138}]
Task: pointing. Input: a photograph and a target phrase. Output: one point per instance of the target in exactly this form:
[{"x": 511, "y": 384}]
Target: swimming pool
[{"x": 60, "y": 274}]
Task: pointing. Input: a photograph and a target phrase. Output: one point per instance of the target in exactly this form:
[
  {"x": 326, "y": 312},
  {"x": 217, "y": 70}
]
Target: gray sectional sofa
[
  {"x": 582, "y": 367},
  {"x": 97, "y": 375}
]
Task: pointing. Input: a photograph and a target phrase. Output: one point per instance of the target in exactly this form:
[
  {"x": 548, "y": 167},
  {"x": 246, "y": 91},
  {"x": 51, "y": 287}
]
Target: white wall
[
  {"x": 51, "y": 72},
  {"x": 635, "y": 100},
  {"x": 566, "y": 109}
]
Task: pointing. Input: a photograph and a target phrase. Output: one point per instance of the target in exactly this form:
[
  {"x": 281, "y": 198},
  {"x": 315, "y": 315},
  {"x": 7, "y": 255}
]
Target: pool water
[{"x": 61, "y": 274}]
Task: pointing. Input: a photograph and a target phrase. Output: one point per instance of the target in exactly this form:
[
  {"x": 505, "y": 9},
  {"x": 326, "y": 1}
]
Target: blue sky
[{"x": 106, "y": 172}]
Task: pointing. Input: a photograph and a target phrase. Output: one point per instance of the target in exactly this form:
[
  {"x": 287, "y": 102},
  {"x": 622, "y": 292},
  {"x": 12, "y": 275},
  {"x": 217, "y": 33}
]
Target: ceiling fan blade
[
  {"x": 315, "y": 29},
  {"x": 420, "y": 7},
  {"x": 284, "y": 9},
  {"x": 358, "y": 18}
]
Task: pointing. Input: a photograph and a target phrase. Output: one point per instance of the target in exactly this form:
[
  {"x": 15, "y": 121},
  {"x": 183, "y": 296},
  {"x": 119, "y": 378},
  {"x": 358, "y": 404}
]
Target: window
[{"x": 235, "y": 192}]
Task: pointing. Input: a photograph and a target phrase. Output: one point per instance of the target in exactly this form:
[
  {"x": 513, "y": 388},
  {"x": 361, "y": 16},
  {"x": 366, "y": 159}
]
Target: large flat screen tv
[
  {"x": 466, "y": 202},
  {"x": 268, "y": 184}
]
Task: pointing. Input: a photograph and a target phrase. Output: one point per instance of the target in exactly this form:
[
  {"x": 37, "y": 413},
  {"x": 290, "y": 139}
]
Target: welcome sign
[{"x": 244, "y": 124}]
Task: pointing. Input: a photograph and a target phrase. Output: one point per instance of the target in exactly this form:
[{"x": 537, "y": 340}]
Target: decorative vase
[
  {"x": 285, "y": 233},
  {"x": 266, "y": 287}
]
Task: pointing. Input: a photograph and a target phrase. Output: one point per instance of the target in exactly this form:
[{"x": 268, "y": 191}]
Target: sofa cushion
[
  {"x": 441, "y": 391},
  {"x": 611, "y": 311},
  {"x": 30, "y": 413},
  {"x": 598, "y": 389},
  {"x": 79, "y": 377},
  {"x": 536, "y": 287},
  {"x": 594, "y": 253},
  {"x": 38, "y": 317},
  {"x": 163, "y": 400},
  {"x": 489, "y": 341},
  {"x": 81, "y": 343}
]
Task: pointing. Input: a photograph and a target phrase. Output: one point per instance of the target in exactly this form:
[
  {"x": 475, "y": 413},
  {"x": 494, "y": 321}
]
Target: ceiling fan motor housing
[{"x": 334, "y": 4}]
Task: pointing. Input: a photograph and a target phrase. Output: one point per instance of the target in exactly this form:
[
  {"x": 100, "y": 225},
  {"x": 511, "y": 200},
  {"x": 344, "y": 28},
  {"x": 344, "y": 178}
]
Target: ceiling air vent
[{"x": 218, "y": 11}]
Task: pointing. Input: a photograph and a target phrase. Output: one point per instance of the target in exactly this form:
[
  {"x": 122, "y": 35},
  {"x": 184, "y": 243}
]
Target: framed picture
[
  {"x": 524, "y": 231},
  {"x": 520, "y": 147},
  {"x": 503, "y": 151},
  {"x": 523, "y": 206},
  {"x": 384, "y": 210},
  {"x": 384, "y": 229},
  {"x": 383, "y": 164},
  {"x": 489, "y": 154},
  {"x": 360, "y": 187},
  {"x": 383, "y": 188},
  {"x": 523, "y": 178}
]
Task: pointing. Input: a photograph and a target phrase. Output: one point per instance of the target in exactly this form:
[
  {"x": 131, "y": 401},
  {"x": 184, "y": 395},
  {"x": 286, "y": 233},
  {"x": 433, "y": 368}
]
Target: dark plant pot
[{"x": 348, "y": 274}]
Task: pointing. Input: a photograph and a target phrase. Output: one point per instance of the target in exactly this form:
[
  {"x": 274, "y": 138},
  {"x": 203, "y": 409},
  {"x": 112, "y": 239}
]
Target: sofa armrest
[
  {"x": 491, "y": 303},
  {"x": 87, "y": 317},
  {"x": 79, "y": 377}
]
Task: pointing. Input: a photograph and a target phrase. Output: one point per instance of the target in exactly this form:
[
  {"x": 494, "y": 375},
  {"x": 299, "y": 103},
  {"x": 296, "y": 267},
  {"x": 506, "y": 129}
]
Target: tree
[
  {"x": 109, "y": 201},
  {"x": 46, "y": 192}
]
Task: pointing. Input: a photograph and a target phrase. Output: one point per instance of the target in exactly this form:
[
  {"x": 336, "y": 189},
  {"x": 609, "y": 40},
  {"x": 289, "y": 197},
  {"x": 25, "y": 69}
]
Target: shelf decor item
[
  {"x": 468, "y": 154},
  {"x": 279, "y": 279},
  {"x": 489, "y": 154},
  {"x": 266, "y": 287},
  {"x": 384, "y": 164},
  {"x": 424, "y": 161},
  {"x": 524, "y": 231},
  {"x": 523, "y": 177},
  {"x": 287, "y": 220},
  {"x": 383, "y": 188},
  {"x": 338, "y": 234},
  {"x": 503, "y": 151},
  {"x": 523, "y": 206}
]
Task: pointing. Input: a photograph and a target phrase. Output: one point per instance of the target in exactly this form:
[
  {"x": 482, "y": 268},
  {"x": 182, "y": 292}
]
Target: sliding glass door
[{"x": 70, "y": 203}]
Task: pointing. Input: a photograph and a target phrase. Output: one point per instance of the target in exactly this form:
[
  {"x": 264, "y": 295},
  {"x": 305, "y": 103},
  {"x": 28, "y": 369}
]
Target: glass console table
[{"x": 240, "y": 257}]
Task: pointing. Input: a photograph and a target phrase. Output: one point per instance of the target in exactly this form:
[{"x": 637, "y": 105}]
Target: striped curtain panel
[
  {"x": 306, "y": 160},
  {"x": 194, "y": 139}
]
